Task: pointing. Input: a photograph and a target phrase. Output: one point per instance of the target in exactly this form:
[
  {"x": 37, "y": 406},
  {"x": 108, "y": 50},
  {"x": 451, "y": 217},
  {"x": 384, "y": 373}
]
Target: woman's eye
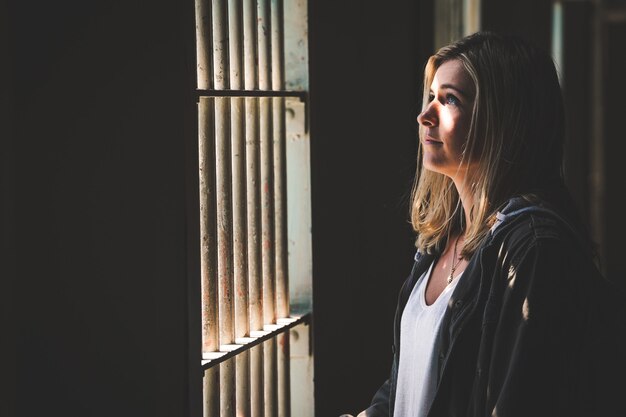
[
  {"x": 451, "y": 99},
  {"x": 431, "y": 97}
]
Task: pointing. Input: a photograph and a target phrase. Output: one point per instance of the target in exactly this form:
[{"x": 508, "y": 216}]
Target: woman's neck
[{"x": 467, "y": 199}]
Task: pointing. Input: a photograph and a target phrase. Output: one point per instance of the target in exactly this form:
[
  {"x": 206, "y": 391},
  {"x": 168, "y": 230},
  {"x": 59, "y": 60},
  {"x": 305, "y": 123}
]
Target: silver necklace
[{"x": 454, "y": 266}]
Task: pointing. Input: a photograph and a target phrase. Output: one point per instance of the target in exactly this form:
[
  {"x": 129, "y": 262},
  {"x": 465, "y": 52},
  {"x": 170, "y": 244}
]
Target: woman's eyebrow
[{"x": 453, "y": 87}]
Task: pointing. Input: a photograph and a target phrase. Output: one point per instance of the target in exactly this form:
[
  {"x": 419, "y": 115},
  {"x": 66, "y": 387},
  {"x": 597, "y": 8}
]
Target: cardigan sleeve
[
  {"x": 542, "y": 338},
  {"x": 379, "y": 406}
]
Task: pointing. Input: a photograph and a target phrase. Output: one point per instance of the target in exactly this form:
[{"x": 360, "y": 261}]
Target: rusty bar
[
  {"x": 235, "y": 44},
  {"x": 227, "y": 388},
  {"x": 283, "y": 375},
  {"x": 256, "y": 381},
  {"x": 255, "y": 289},
  {"x": 240, "y": 270},
  {"x": 280, "y": 209},
  {"x": 267, "y": 210},
  {"x": 250, "y": 45},
  {"x": 471, "y": 16},
  {"x": 264, "y": 42},
  {"x": 280, "y": 218},
  {"x": 208, "y": 245},
  {"x": 278, "y": 45},
  {"x": 243, "y": 383},
  {"x": 223, "y": 181},
  {"x": 242, "y": 370},
  {"x": 270, "y": 380},
  {"x": 240, "y": 250},
  {"x": 211, "y": 392},
  {"x": 208, "y": 261},
  {"x": 283, "y": 392},
  {"x": 282, "y": 290},
  {"x": 220, "y": 45},
  {"x": 255, "y": 280},
  {"x": 279, "y": 150},
  {"x": 224, "y": 220},
  {"x": 204, "y": 44}
]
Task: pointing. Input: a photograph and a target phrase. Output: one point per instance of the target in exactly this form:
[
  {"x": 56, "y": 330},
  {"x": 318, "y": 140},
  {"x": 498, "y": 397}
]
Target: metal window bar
[
  {"x": 245, "y": 304},
  {"x": 267, "y": 205},
  {"x": 253, "y": 207},
  {"x": 280, "y": 206}
]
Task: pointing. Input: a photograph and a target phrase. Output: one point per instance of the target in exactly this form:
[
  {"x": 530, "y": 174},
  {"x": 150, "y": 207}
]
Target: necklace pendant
[{"x": 450, "y": 278}]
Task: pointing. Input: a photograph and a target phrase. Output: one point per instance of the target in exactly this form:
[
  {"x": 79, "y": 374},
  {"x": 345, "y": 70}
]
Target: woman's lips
[{"x": 428, "y": 140}]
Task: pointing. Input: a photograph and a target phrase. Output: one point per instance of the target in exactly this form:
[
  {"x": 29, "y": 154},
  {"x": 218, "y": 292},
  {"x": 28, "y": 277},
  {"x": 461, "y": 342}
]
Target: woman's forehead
[{"x": 453, "y": 74}]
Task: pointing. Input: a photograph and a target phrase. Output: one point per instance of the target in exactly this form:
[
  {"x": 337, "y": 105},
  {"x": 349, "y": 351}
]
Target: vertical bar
[
  {"x": 253, "y": 200},
  {"x": 208, "y": 245},
  {"x": 224, "y": 209},
  {"x": 284, "y": 375},
  {"x": 235, "y": 31},
  {"x": 241, "y": 301},
  {"x": 277, "y": 44},
  {"x": 255, "y": 280},
  {"x": 264, "y": 39},
  {"x": 280, "y": 188},
  {"x": 211, "y": 392},
  {"x": 267, "y": 203},
  {"x": 449, "y": 21},
  {"x": 242, "y": 326},
  {"x": 242, "y": 378},
  {"x": 267, "y": 210},
  {"x": 252, "y": 166},
  {"x": 220, "y": 45},
  {"x": 227, "y": 388},
  {"x": 254, "y": 215},
  {"x": 269, "y": 367},
  {"x": 250, "y": 45},
  {"x": 281, "y": 271},
  {"x": 204, "y": 44},
  {"x": 256, "y": 378},
  {"x": 265, "y": 137},
  {"x": 225, "y": 249},
  {"x": 242, "y": 319},
  {"x": 471, "y": 16},
  {"x": 267, "y": 253},
  {"x": 280, "y": 208}
]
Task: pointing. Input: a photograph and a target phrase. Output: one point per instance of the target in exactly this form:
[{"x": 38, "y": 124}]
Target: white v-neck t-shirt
[{"x": 417, "y": 372}]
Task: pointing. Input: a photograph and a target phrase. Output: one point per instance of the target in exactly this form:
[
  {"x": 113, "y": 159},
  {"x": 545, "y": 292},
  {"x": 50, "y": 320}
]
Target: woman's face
[{"x": 445, "y": 120}]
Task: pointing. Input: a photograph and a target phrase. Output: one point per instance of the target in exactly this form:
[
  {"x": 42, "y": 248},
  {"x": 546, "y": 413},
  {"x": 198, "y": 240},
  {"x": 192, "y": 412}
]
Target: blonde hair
[{"x": 515, "y": 138}]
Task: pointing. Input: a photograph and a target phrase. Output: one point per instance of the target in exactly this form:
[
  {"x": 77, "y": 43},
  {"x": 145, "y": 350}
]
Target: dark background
[{"x": 99, "y": 262}]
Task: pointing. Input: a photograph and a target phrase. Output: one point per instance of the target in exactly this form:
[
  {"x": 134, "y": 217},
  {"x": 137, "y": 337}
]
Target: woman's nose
[{"x": 427, "y": 117}]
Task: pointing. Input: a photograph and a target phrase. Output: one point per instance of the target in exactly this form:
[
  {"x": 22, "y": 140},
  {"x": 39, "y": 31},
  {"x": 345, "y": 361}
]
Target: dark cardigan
[{"x": 532, "y": 329}]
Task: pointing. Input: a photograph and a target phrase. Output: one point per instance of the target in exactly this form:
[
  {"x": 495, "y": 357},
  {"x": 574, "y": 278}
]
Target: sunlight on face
[{"x": 445, "y": 120}]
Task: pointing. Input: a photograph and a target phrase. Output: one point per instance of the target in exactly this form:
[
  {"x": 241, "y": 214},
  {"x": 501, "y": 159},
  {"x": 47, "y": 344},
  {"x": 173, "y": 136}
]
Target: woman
[{"x": 498, "y": 315}]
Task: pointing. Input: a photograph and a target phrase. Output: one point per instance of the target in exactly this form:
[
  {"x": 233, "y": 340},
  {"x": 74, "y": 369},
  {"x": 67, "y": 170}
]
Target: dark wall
[
  {"x": 101, "y": 111},
  {"x": 7, "y": 229},
  {"x": 615, "y": 147},
  {"x": 366, "y": 73},
  {"x": 531, "y": 19}
]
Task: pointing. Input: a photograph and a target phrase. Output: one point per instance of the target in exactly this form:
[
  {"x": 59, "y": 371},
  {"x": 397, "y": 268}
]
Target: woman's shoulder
[
  {"x": 534, "y": 218},
  {"x": 526, "y": 224}
]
